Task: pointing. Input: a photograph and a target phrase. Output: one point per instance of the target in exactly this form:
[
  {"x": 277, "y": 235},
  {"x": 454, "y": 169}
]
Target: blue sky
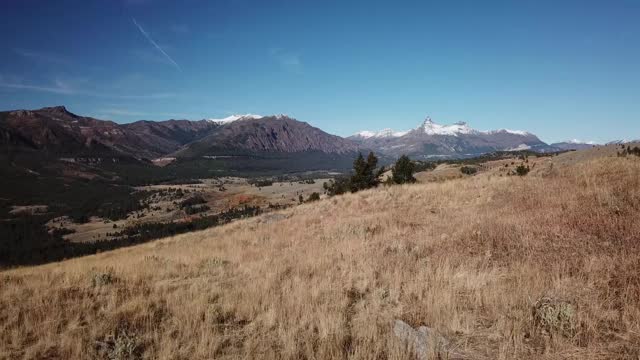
[{"x": 561, "y": 69}]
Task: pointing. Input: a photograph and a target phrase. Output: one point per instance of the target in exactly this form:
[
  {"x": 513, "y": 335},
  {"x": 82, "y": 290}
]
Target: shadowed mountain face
[
  {"x": 54, "y": 137},
  {"x": 56, "y": 131},
  {"x": 271, "y": 134},
  {"x": 457, "y": 140}
]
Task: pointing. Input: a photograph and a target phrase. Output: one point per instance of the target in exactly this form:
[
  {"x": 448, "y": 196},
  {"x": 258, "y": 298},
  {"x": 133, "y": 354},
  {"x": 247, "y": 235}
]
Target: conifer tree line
[{"x": 366, "y": 175}]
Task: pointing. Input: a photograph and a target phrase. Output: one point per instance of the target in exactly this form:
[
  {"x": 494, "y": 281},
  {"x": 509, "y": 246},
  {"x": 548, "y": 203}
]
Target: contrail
[{"x": 156, "y": 45}]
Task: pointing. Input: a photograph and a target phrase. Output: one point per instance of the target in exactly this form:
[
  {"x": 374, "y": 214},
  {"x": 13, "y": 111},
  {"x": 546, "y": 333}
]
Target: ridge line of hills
[{"x": 59, "y": 132}]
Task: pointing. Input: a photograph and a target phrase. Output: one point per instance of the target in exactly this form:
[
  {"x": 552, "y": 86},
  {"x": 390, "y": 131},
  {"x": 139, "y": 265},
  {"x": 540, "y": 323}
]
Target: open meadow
[{"x": 544, "y": 266}]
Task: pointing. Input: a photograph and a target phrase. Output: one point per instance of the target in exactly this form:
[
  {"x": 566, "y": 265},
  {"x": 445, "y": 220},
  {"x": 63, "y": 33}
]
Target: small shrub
[
  {"x": 522, "y": 170},
  {"x": 552, "y": 315},
  {"x": 313, "y": 197},
  {"x": 262, "y": 183},
  {"x": 123, "y": 346},
  {"x": 337, "y": 186},
  {"x": 190, "y": 202},
  {"x": 630, "y": 151},
  {"x": 102, "y": 279},
  {"x": 468, "y": 170},
  {"x": 190, "y": 210}
]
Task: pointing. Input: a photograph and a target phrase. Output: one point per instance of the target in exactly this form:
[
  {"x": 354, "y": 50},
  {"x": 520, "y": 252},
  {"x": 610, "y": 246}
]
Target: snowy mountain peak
[
  {"x": 233, "y": 118},
  {"x": 431, "y": 128}
]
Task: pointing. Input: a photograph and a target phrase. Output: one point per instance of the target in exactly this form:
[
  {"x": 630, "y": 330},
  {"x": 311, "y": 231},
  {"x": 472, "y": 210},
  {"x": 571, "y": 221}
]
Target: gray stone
[{"x": 424, "y": 341}]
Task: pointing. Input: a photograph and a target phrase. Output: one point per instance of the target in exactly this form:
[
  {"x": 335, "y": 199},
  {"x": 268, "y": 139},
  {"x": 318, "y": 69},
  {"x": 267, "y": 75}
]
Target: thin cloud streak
[
  {"x": 49, "y": 89},
  {"x": 146, "y": 35},
  {"x": 63, "y": 89},
  {"x": 131, "y": 113},
  {"x": 42, "y": 56}
]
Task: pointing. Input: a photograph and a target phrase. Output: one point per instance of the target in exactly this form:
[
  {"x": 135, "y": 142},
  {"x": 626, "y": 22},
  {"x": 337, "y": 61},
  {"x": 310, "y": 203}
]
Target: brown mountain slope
[
  {"x": 60, "y": 132},
  {"x": 271, "y": 134}
]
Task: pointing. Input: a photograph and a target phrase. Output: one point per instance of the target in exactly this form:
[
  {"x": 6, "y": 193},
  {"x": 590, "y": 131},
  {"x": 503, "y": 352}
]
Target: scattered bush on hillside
[
  {"x": 102, "y": 278},
  {"x": 337, "y": 186},
  {"x": 61, "y": 232},
  {"x": 522, "y": 170},
  {"x": 629, "y": 151},
  {"x": 468, "y": 170},
  {"x": 190, "y": 210},
  {"x": 424, "y": 165},
  {"x": 403, "y": 171},
  {"x": 365, "y": 176},
  {"x": 261, "y": 183},
  {"x": 192, "y": 201},
  {"x": 313, "y": 197}
]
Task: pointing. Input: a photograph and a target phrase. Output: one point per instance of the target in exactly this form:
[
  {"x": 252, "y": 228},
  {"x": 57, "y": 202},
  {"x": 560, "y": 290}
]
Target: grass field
[{"x": 545, "y": 266}]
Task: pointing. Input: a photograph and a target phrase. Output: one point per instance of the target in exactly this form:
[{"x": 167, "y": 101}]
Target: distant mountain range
[
  {"x": 240, "y": 144},
  {"x": 432, "y": 140},
  {"x": 574, "y": 145},
  {"x": 244, "y": 141}
]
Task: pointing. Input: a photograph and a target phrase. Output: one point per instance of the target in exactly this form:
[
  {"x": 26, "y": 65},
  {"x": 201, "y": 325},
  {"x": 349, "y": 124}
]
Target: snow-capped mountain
[
  {"x": 574, "y": 144},
  {"x": 622, "y": 141},
  {"x": 429, "y": 127},
  {"x": 431, "y": 139},
  {"x": 233, "y": 118}
]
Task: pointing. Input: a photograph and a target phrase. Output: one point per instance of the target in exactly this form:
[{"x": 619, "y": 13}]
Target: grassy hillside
[{"x": 537, "y": 267}]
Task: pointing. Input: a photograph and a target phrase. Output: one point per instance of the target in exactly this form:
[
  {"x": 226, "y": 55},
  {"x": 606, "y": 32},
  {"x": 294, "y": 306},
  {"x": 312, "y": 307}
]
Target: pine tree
[
  {"x": 403, "y": 171},
  {"x": 365, "y": 175}
]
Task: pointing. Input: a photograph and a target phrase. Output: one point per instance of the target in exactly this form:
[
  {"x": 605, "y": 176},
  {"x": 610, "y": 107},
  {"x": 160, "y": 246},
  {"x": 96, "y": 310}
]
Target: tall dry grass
[{"x": 469, "y": 258}]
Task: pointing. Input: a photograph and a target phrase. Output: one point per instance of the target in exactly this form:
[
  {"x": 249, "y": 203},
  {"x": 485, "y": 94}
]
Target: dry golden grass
[{"x": 469, "y": 258}]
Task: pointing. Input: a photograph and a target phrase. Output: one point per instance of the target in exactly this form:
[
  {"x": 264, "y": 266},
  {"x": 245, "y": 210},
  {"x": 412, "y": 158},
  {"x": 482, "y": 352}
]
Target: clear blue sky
[{"x": 561, "y": 69}]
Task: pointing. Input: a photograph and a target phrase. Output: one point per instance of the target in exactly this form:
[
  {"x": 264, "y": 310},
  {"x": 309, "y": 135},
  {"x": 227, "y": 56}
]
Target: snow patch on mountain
[
  {"x": 623, "y": 141},
  {"x": 520, "y": 148},
  {"x": 233, "y": 118},
  {"x": 384, "y": 133},
  {"x": 576, "y": 141},
  {"x": 508, "y": 131}
]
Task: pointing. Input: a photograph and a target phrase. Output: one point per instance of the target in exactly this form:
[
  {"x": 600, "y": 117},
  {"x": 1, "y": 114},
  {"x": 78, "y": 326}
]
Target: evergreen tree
[
  {"x": 403, "y": 171},
  {"x": 365, "y": 175}
]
